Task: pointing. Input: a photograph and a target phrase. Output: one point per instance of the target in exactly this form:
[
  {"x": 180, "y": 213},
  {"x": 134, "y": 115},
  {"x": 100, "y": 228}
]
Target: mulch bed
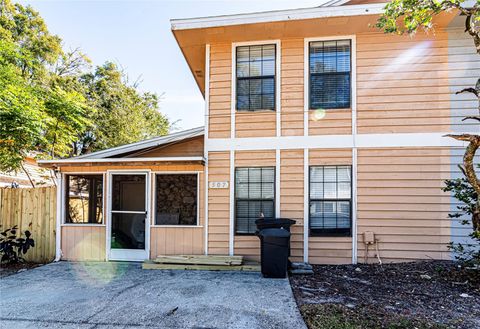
[
  {"x": 10, "y": 269},
  {"x": 431, "y": 294}
]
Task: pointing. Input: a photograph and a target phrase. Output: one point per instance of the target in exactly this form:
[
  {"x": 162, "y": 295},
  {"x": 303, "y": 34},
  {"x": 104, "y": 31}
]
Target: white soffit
[{"x": 277, "y": 16}]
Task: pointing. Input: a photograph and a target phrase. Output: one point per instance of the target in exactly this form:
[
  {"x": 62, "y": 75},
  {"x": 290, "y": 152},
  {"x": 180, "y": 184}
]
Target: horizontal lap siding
[
  {"x": 218, "y": 204},
  {"x": 403, "y": 83},
  {"x": 83, "y": 243},
  {"x": 256, "y": 124},
  {"x": 401, "y": 201},
  {"x": 291, "y": 197},
  {"x": 220, "y": 90},
  {"x": 292, "y": 106},
  {"x": 249, "y": 246},
  {"x": 191, "y": 147},
  {"x": 330, "y": 250},
  {"x": 464, "y": 66}
]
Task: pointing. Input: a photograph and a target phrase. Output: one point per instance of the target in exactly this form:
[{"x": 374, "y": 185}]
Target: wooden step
[
  {"x": 246, "y": 267},
  {"x": 199, "y": 260}
]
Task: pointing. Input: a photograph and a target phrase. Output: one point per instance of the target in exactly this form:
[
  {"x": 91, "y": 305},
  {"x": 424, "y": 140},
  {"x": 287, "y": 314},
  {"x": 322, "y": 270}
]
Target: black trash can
[
  {"x": 284, "y": 223},
  {"x": 274, "y": 246}
]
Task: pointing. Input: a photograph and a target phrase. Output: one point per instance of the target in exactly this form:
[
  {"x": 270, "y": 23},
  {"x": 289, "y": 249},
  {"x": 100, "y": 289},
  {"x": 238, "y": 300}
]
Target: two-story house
[{"x": 310, "y": 114}]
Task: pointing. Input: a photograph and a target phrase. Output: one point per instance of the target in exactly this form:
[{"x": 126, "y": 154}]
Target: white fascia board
[
  {"x": 103, "y": 160},
  {"x": 333, "y": 141},
  {"x": 276, "y": 16}
]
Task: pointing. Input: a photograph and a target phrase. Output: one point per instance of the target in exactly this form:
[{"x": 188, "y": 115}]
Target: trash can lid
[{"x": 274, "y": 232}]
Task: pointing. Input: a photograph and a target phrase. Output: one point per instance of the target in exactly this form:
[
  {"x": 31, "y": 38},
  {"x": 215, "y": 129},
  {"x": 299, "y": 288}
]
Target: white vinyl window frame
[
  {"x": 63, "y": 199},
  {"x": 233, "y": 101},
  {"x": 154, "y": 198}
]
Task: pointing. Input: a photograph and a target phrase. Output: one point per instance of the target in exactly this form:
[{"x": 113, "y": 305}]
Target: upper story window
[
  {"x": 84, "y": 199},
  {"x": 330, "y": 74},
  {"x": 255, "y": 77}
]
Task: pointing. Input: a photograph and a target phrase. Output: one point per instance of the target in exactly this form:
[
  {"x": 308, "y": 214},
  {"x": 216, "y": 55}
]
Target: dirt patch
[
  {"x": 432, "y": 294},
  {"x": 10, "y": 269}
]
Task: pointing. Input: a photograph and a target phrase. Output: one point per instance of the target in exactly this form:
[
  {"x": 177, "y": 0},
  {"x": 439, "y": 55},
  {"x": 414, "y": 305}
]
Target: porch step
[
  {"x": 246, "y": 267},
  {"x": 199, "y": 260}
]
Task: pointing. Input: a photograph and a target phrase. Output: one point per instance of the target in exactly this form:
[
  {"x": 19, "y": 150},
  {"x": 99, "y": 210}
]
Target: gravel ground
[
  {"x": 10, "y": 269},
  {"x": 436, "y": 293}
]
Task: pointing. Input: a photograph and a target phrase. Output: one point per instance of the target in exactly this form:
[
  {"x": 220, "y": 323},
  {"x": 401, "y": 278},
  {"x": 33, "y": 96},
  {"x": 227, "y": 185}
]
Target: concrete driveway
[{"x": 118, "y": 295}]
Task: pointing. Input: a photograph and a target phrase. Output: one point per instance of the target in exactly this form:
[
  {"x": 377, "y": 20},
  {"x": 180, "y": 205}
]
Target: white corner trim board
[
  {"x": 276, "y": 16},
  {"x": 332, "y": 141}
]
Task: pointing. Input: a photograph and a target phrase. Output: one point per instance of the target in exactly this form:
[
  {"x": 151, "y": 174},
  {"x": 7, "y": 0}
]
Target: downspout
[{"x": 58, "y": 227}]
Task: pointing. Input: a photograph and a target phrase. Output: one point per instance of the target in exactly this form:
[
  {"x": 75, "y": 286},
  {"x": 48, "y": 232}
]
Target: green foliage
[
  {"x": 465, "y": 193},
  {"x": 50, "y": 101},
  {"x": 12, "y": 247},
  {"x": 407, "y": 16}
]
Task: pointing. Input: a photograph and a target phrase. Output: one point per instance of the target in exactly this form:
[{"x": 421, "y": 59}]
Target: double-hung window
[
  {"x": 255, "y": 85},
  {"x": 330, "y": 200},
  {"x": 330, "y": 74},
  {"x": 84, "y": 199},
  {"x": 254, "y": 197}
]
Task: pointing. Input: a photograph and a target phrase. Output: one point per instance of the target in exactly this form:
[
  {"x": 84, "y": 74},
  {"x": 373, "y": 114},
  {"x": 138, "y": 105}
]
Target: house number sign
[{"x": 218, "y": 184}]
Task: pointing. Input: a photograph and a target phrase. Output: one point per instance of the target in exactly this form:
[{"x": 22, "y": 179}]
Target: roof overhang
[{"x": 192, "y": 34}]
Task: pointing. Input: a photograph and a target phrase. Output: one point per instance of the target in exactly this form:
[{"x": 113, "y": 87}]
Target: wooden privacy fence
[{"x": 32, "y": 209}]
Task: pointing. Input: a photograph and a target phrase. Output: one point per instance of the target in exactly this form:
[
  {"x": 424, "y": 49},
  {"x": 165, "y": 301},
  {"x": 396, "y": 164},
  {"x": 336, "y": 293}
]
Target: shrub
[{"x": 12, "y": 247}]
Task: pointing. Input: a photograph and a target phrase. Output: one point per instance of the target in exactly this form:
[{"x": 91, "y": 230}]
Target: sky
[{"x": 136, "y": 35}]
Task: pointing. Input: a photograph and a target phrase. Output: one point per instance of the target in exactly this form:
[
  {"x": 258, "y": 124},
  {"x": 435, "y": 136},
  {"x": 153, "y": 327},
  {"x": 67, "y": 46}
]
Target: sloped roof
[{"x": 111, "y": 153}]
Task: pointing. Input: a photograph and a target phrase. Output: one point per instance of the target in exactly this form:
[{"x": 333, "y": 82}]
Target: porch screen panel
[
  {"x": 176, "y": 199},
  {"x": 84, "y": 199},
  {"x": 254, "y": 197},
  {"x": 330, "y": 200},
  {"x": 255, "y": 77},
  {"x": 330, "y": 78}
]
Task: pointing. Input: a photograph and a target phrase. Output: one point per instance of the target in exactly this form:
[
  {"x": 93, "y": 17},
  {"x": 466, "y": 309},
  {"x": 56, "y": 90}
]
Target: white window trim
[
  {"x": 233, "y": 99},
  {"x": 306, "y": 76},
  {"x": 154, "y": 197},
  {"x": 63, "y": 200}
]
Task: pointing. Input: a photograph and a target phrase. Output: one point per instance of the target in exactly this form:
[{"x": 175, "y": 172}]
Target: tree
[
  {"x": 52, "y": 103},
  {"x": 409, "y": 16}
]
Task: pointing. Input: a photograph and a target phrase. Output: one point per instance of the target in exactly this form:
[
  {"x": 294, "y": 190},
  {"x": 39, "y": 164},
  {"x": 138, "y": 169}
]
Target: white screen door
[{"x": 128, "y": 218}]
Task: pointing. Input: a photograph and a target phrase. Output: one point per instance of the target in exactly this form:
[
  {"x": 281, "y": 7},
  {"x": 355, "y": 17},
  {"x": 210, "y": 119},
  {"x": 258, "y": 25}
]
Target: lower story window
[
  {"x": 176, "y": 199},
  {"x": 84, "y": 199},
  {"x": 330, "y": 200},
  {"x": 254, "y": 197}
]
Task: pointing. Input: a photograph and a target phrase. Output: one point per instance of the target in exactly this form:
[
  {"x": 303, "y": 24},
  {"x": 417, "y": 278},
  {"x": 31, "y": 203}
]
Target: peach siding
[
  {"x": 190, "y": 147},
  {"x": 292, "y": 87},
  {"x": 330, "y": 250},
  {"x": 403, "y": 82},
  {"x": 400, "y": 200},
  {"x": 218, "y": 203},
  {"x": 176, "y": 241},
  {"x": 291, "y": 197},
  {"x": 220, "y": 90},
  {"x": 83, "y": 243}
]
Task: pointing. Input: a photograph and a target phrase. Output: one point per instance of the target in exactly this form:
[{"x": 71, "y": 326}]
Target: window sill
[
  {"x": 334, "y": 109},
  {"x": 81, "y": 225},
  {"x": 241, "y": 112},
  {"x": 330, "y": 235},
  {"x": 177, "y": 226}
]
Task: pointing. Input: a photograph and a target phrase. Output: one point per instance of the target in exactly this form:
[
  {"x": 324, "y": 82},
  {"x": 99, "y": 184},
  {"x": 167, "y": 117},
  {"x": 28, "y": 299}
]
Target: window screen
[
  {"x": 176, "y": 199},
  {"x": 330, "y": 200},
  {"x": 254, "y": 197},
  {"x": 255, "y": 78},
  {"x": 330, "y": 74},
  {"x": 84, "y": 199}
]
